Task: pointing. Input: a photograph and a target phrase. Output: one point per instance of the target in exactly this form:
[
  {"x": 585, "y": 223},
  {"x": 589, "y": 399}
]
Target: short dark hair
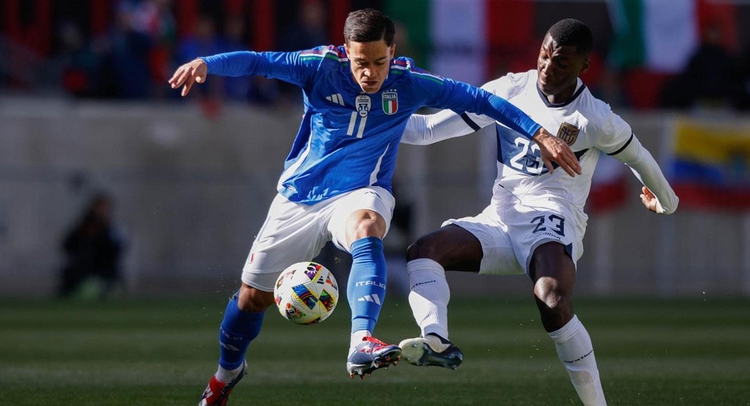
[
  {"x": 572, "y": 32},
  {"x": 368, "y": 25}
]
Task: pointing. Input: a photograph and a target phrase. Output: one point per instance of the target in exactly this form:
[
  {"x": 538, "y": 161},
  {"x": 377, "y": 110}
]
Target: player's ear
[
  {"x": 393, "y": 50},
  {"x": 585, "y": 66}
]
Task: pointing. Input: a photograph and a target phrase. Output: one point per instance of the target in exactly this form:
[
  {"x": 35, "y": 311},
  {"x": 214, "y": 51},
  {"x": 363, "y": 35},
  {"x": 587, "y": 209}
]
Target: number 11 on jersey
[{"x": 353, "y": 124}]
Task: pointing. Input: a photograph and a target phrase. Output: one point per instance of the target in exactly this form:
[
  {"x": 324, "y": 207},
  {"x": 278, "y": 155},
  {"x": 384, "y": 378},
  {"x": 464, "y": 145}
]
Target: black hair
[
  {"x": 572, "y": 32},
  {"x": 368, "y": 25}
]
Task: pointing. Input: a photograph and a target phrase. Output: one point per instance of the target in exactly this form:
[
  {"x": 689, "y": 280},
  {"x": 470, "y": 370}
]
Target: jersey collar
[{"x": 579, "y": 89}]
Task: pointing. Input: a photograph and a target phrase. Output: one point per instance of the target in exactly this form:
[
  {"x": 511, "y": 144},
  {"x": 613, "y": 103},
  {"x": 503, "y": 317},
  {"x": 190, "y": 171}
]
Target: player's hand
[
  {"x": 650, "y": 201},
  {"x": 188, "y": 74},
  {"x": 555, "y": 149}
]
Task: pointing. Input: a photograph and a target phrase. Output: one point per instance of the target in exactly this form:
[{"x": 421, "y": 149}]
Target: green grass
[{"x": 650, "y": 352}]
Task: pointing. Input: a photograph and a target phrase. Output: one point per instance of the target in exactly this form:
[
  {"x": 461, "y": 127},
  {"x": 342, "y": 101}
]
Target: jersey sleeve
[
  {"x": 425, "y": 129},
  {"x": 618, "y": 140},
  {"x": 645, "y": 168},
  {"x": 462, "y": 97},
  {"x": 615, "y": 135},
  {"x": 298, "y": 68},
  {"x": 506, "y": 87}
]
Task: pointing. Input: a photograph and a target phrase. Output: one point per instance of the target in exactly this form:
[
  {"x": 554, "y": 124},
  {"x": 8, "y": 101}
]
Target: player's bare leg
[
  {"x": 242, "y": 322},
  {"x": 450, "y": 247},
  {"x": 366, "y": 293},
  {"x": 553, "y": 273}
]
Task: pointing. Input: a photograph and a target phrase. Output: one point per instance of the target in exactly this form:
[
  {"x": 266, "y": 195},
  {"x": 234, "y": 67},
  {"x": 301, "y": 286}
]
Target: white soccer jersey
[
  {"x": 530, "y": 206},
  {"x": 587, "y": 124}
]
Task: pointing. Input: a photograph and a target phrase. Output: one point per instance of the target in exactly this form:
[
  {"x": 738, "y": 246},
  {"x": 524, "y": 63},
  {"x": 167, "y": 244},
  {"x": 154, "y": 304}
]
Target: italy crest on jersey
[
  {"x": 568, "y": 133},
  {"x": 390, "y": 102},
  {"x": 363, "y": 104}
]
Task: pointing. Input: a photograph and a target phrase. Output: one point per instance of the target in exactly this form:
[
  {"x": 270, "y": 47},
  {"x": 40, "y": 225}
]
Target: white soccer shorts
[
  {"x": 295, "y": 232},
  {"x": 510, "y": 232}
]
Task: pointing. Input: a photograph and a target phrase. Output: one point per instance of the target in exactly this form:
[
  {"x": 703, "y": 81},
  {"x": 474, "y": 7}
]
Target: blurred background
[{"x": 111, "y": 184}]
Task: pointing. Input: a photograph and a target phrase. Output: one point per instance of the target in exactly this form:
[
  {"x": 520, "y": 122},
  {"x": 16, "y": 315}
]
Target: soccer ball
[{"x": 306, "y": 293}]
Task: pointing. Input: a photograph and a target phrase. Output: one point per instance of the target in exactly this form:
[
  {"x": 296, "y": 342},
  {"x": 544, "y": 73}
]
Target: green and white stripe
[
  {"x": 656, "y": 34},
  {"x": 454, "y": 31}
]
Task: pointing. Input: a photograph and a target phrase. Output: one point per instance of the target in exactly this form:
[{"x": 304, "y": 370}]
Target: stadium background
[{"x": 85, "y": 107}]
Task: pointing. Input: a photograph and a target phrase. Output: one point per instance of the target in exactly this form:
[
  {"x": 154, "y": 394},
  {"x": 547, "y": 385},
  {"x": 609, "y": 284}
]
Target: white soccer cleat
[{"x": 431, "y": 350}]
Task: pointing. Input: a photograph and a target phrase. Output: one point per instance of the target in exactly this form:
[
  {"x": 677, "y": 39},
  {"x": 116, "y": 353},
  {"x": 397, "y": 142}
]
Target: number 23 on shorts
[{"x": 552, "y": 222}]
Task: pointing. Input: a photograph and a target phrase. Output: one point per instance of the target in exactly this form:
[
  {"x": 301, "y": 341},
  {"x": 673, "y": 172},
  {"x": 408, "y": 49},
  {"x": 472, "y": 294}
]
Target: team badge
[
  {"x": 390, "y": 102},
  {"x": 568, "y": 133},
  {"x": 363, "y": 104}
]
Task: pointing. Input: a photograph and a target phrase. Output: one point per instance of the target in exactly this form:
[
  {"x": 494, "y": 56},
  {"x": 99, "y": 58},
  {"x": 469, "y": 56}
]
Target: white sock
[
  {"x": 357, "y": 338},
  {"x": 435, "y": 343},
  {"x": 577, "y": 355},
  {"x": 226, "y": 375},
  {"x": 429, "y": 296}
]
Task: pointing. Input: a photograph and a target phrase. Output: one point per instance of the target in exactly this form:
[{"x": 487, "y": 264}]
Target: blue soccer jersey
[{"x": 349, "y": 139}]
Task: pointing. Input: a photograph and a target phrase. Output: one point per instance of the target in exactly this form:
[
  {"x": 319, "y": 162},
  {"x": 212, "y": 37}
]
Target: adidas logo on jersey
[{"x": 336, "y": 98}]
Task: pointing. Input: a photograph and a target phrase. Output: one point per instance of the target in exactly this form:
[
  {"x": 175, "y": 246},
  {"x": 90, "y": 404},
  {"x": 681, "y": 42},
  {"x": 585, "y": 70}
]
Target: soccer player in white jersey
[
  {"x": 535, "y": 221},
  {"x": 336, "y": 184}
]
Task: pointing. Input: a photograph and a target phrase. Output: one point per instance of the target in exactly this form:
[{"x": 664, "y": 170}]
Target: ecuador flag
[{"x": 709, "y": 165}]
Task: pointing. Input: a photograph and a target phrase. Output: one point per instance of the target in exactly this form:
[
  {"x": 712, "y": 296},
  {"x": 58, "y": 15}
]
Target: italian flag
[
  {"x": 390, "y": 106},
  {"x": 661, "y": 35},
  {"x": 466, "y": 40}
]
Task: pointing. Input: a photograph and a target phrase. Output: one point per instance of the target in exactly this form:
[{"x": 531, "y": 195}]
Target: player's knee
[
  {"x": 367, "y": 228},
  {"x": 422, "y": 248},
  {"x": 365, "y": 223},
  {"x": 251, "y": 300},
  {"x": 552, "y": 295}
]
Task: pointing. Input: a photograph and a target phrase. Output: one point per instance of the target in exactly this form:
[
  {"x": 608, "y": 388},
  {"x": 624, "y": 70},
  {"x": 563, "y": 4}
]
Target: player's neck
[{"x": 563, "y": 96}]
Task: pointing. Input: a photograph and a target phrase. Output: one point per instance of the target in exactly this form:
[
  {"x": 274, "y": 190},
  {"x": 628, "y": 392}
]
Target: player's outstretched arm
[
  {"x": 459, "y": 96},
  {"x": 426, "y": 129},
  {"x": 555, "y": 149},
  {"x": 188, "y": 74},
  {"x": 657, "y": 195}
]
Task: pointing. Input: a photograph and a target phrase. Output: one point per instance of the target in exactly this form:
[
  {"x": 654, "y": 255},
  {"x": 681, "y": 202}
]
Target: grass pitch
[{"x": 650, "y": 352}]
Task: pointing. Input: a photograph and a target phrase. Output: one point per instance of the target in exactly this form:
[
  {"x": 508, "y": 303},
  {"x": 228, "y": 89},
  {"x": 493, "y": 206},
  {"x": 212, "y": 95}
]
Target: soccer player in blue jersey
[{"x": 336, "y": 182}]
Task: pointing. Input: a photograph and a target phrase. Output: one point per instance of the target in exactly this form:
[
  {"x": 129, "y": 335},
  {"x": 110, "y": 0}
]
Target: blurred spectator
[
  {"x": 135, "y": 54},
  {"x": 744, "y": 73},
  {"x": 130, "y": 46},
  {"x": 308, "y": 31},
  {"x": 711, "y": 79},
  {"x": 244, "y": 88},
  {"x": 81, "y": 65},
  {"x": 162, "y": 28},
  {"x": 126, "y": 49},
  {"x": 93, "y": 248},
  {"x": 402, "y": 40},
  {"x": 235, "y": 88},
  {"x": 204, "y": 41}
]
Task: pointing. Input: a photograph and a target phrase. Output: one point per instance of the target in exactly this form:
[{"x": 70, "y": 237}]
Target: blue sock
[
  {"x": 237, "y": 330},
  {"x": 366, "y": 288}
]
